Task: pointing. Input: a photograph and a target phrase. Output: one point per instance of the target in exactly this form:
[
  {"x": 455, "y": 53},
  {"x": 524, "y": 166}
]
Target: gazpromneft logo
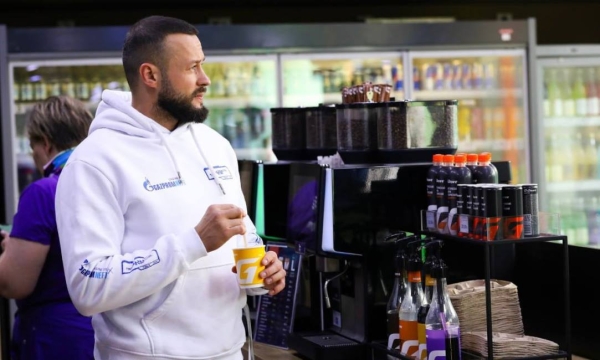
[
  {"x": 95, "y": 273},
  {"x": 164, "y": 185}
]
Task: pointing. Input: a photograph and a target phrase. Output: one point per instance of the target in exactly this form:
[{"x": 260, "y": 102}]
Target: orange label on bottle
[
  {"x": 414, "y": 276},
  {"x": 409, "y": 338},
  {"x": 422, "y": 353},
  {"x": 429, "y": 281}
]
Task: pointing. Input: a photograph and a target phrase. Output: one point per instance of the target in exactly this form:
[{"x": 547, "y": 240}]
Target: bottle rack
[{"x": 548, "y": 223}]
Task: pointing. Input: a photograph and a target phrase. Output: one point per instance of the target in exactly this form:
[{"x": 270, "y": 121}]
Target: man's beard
[{"x": 180, "y": 106}]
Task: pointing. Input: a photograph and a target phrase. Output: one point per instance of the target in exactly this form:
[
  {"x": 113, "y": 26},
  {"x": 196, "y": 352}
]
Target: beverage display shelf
[
  {"x": 570, "y": 122},
  {"x": 459, "y": 94},
  {"x": 573, "y": 186},
  {"x": 541, "y": 238},
  {"x": 239, "y": 102},
  {"x": 490, "y": 145}
]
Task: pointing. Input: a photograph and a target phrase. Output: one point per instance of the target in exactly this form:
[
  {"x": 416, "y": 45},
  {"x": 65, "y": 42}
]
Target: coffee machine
[{"x": 341, "y": 216}]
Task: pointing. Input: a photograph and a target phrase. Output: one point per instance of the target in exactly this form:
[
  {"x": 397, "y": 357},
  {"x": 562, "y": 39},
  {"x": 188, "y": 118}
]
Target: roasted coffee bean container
[
  {"x": 321, "y": 131},
  {"x": 289, "y": 133},
  {"x": 413, "y": 131},
  {"x": 357, "y": 132}
]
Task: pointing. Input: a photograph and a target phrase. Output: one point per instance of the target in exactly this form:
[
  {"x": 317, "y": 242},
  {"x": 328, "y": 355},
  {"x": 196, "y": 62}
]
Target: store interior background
[{"x": 558, "y": 22}]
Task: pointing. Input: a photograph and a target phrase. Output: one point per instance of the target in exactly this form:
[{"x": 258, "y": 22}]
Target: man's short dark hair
[{"x": 145, "y": 43}]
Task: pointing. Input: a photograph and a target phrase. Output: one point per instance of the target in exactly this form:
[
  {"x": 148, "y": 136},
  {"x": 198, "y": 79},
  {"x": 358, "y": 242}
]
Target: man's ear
[{"x": 150, "y": 75}]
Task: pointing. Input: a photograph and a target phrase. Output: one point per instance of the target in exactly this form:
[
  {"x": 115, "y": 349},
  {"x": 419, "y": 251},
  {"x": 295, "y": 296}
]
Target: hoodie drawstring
[
  {"x": 212, "y": 170},
  {"x": 173, "y": 159}
]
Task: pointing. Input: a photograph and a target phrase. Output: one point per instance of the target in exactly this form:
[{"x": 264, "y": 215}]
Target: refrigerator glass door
[
  {"x": 242, "y": 91},
  {"x": 491, "y": 88},
  {"x": 34, "y": 81},
  {"x": 570, "y": 112},
  {"x": 313, "y": 79}
]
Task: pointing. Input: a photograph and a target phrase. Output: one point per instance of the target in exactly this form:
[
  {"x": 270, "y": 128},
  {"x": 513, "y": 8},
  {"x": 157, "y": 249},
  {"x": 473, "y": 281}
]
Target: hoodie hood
[
  {"x": 110, "y": 115},
  {"x": 116, "y": 113}
]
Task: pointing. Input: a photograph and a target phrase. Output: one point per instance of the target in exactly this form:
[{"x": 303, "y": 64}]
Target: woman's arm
[{"x": 21, "y": 263}]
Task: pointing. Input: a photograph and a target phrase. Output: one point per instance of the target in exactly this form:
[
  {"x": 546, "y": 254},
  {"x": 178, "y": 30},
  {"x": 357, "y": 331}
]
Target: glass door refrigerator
[
  {"x": 313, "y": 79},
  {"x": 568, "y": 132},
  {"x": 243, "y": 89},
  {"x": 491, "y": 87}
]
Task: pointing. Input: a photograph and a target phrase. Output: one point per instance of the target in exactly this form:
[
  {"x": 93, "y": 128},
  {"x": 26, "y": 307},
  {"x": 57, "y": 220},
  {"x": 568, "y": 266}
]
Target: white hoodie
[{"x": 131, "y": 255}]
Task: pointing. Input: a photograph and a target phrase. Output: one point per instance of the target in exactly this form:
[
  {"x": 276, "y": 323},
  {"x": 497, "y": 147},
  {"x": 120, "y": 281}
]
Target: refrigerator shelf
[
  {"x": 239, "y": 102},
  {"x": 570, "y": 122},
  {"x": 491, "y": 145},
  {"x": 466, "y": 94},
  {"x": 573, "y": 186}
]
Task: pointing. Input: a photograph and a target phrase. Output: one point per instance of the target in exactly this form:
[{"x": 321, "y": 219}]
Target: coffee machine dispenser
[{"x": 355, "y": 208}]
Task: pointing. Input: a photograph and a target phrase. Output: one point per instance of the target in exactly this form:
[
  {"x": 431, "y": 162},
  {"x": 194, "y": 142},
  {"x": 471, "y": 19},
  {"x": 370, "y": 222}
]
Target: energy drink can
[
  {"x": 530, "y": 210},
  {"x": 512, "y": 211},
  {"x": 493, "y": 212},
  {"x": 479, "y": 222},
  {"x": 464, "y": 209},
  {"x": 475, "y": 215}
]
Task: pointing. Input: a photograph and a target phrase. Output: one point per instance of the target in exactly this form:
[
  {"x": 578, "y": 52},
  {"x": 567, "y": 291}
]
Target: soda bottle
[
  {"x": 593, "y": 103},
  {"x": 581, "y": 108},
  {"x": 555, "y": 95},
  {"x": 567, "y": 92},
  {"x": 459, "y": 174},
  {"x": 441, "y": 185},
  {"x": 472, "y": 164},
  {"x": 432, "y": 201},
  {"x": 485, "y": 172}
]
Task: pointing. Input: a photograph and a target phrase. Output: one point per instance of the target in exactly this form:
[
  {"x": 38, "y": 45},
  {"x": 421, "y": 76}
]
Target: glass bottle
[
  {"x": 409, "y": 309},
  {"x": 442, "y": 325}
]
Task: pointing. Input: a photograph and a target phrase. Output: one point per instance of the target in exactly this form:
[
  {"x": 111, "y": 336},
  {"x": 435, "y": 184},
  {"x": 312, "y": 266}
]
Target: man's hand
[
  {"x": 219, "y": 224},
  {"x": 273, "y": 274}
]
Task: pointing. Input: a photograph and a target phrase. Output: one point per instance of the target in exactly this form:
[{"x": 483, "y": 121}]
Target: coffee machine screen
[{"x": 303, "y": 203}]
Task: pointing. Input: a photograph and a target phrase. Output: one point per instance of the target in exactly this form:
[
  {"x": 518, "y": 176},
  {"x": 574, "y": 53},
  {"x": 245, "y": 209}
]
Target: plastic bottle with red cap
[
  {"x": 442, "y": 194},
  {"x": 459, "y": 174},
  {"x": 485, "y": 172}
]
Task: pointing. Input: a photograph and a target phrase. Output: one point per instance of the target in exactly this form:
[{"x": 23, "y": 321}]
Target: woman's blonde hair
[{"x": 63, "y": 120}]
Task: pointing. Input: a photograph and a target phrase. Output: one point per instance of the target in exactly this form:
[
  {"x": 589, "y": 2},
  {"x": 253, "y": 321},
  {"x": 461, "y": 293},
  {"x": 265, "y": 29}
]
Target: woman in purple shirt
[{"x": 47, "y": 325}]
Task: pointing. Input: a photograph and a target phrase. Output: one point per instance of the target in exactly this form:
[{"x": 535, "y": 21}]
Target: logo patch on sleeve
[{"x": 140, "y": 262}]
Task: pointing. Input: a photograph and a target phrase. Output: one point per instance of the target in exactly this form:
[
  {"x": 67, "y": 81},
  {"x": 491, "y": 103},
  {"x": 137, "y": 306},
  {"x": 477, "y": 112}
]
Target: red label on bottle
[{"x": 414, "y": 276}]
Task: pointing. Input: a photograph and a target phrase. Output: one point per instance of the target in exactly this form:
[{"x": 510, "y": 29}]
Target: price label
[{"x": 464, "y": 223}]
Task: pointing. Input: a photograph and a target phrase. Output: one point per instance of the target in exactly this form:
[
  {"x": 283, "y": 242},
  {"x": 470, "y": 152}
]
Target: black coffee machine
[{"x": 341, "y": 217}]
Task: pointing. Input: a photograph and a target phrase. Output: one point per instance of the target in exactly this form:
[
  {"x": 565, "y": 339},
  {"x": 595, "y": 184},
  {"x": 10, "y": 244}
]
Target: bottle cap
[
  {"x": 438, "y": 158},
  {"x": 472, "y": 157},
  {"x": 485, "y": 157},
  {"x": 460, "y": 159},
  {"x": 449, "y": 159}
]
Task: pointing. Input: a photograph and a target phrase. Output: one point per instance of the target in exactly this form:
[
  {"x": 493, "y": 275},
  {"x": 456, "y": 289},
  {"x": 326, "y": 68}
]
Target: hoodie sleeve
[{"x": 91, "y": 228}]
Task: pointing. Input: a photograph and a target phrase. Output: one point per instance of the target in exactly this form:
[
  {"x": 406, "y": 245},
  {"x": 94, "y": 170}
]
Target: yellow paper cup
[{"x": 248, "y": 265}]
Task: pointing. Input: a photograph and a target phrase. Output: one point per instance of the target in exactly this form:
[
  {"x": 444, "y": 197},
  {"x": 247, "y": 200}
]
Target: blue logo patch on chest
[
  {"x": 164, "y": 185},
  {"x": 221, "y": 171}
]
